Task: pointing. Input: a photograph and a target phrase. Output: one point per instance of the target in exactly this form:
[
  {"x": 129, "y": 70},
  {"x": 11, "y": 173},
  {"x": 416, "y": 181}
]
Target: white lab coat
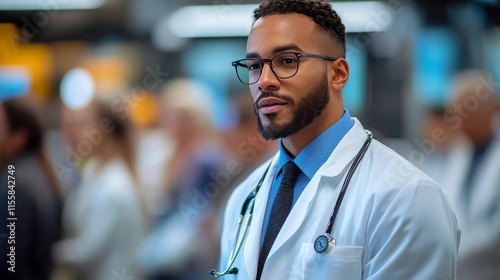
[
  {"x": 106, "y": 217},
  {"x": 479, "y": 254},
  {"x": 394, "y": 222}
]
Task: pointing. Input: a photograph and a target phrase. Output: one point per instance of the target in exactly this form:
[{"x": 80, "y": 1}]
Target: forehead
[{"x": 271, "y": 32}]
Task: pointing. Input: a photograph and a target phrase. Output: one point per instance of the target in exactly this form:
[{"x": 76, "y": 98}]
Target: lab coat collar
[
  {"x": 343, "y": 154},
  {"x": 315, "y": 154}
]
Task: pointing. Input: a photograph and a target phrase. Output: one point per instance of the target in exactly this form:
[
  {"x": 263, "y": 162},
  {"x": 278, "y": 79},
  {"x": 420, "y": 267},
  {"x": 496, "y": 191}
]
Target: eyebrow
[{"x": 289, "y": 47}]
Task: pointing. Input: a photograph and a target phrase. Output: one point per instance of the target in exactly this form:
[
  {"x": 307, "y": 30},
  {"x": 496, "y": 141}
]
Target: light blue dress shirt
[{"x": 309, "y": 160}]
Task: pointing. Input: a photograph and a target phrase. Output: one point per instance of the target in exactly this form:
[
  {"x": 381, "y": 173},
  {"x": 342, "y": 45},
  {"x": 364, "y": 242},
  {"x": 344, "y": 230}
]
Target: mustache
[{"x": 266, "y": 94}]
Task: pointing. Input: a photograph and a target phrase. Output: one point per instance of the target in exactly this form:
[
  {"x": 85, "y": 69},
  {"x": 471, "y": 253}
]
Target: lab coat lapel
[
  {"x": 252, "y": 244},
  {"x": 485, "y": 183},
  {"x": 343, "y": 154}
]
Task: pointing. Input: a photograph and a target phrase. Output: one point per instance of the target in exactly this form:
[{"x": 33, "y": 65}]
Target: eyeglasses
[{"x": 284, "y": 65}]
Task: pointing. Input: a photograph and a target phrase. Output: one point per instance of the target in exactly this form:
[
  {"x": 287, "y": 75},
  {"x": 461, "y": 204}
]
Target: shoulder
[
  {"x": 399, "y": 184},
  {"x": 393, "y": 180},
  {"x": 407, "y": 216},
  {"x": 393, "y": 168},
  {"x": 29, "y": 172},
  {"x": 115, "y": 184}
]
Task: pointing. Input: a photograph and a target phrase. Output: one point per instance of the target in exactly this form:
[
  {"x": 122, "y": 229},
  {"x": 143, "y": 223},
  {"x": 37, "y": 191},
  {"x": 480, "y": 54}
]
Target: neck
[
  {"x": 297, "y": 142},
  {"x": 480, "y": 139},
  {"x": 187, "y": 143},
  {"x": 107, "y": 151}
]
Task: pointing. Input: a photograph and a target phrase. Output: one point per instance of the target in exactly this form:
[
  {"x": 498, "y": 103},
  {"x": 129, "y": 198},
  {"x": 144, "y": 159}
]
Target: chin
[{"x": 273, "y": 131}]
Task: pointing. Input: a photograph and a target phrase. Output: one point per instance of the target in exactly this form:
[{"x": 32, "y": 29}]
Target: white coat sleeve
[{"x": 413, "y": 236}]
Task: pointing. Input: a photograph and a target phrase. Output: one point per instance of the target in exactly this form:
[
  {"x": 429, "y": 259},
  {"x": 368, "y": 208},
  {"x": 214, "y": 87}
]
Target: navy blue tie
[{"x": 279, "y": 212}]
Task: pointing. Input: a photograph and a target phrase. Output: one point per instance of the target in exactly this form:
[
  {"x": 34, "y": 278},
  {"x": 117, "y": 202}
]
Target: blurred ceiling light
[
  {"x": 236, "y": 20},
  {"x": 77, "y": 88},
  {"x": 53, "y": 5},
  {"x": 163, "y": 39}
]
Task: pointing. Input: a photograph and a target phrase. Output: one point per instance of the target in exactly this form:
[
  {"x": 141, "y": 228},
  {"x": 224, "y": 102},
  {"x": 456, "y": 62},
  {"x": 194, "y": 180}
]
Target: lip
[{"x": 270, "y": 105}]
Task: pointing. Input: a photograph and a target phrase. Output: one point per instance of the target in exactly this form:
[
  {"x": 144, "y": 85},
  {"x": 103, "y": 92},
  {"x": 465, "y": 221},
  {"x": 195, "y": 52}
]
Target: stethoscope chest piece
[{"x": 322, "y": 242}]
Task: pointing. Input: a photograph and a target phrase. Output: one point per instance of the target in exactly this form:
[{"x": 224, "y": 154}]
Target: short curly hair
[{"x": 320, "y": 11}]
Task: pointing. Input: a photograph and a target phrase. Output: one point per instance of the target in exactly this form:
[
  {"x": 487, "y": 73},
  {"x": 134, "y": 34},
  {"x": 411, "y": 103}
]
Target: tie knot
[{"x": 290, "y": 173}]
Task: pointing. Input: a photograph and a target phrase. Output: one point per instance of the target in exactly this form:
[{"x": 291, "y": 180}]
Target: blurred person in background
[
  {"x": 248, "y": 149},
  {"x": 105, "y": 216},
  {"x": 438, "y": 139},
  {"x": 178, "y": 246},
  {"x": 37, "y": 197},
  {"x": 473, "y": 177},
  {"x": 73, "y": 123},
  {"x": 243, "y": 141}
]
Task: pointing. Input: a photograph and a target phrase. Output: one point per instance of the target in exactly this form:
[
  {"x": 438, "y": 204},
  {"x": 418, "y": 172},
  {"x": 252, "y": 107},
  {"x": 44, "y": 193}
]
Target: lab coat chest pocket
[{"x": 339, "y": 262}]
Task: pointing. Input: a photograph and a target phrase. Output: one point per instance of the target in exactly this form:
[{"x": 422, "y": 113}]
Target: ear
[{"x": 340, "y": 70}]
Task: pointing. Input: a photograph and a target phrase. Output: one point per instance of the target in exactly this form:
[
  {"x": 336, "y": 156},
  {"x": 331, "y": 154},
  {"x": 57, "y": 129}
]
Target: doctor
[
  {"x": 470, "y": 173},
  {"x": 393, "y": 221}
]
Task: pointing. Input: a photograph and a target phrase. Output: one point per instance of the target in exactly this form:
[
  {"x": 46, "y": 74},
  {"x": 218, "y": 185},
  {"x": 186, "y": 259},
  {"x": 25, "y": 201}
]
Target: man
[
  {"x": 470, "y": 173},
  {"x": 393, "y": 223},
  {"x": 30, "y": 191}
]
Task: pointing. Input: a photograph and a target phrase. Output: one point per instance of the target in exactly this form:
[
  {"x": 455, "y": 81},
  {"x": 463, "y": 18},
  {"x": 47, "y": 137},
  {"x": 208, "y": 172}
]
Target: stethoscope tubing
[
  {"x": 250, "y": 201},
  {"x": 351, "y": 171}
]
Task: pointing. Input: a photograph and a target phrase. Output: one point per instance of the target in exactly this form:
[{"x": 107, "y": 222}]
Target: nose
[{"x": 268, "y": 80}]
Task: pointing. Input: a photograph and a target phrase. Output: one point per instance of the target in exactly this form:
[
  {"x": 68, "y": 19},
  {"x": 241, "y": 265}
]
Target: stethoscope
[{"x": 320, "y": 244}]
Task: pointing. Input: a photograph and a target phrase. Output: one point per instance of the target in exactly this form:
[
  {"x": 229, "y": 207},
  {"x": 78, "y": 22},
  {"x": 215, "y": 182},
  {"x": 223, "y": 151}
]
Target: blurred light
[
  {"x": 36, "y": 58},
  {"x": 8, "y": 39},
  {"x": 236, "y": 20},
  {"x": 144, "y": 113},
  {"x": 493, "y": 57},
  {"x": 354, "y": 92},
  {"x": 54, "y": 5},
  {"x": 77, "y": 88},
  {"x": 436, "y": 58},
  {"x": 15, "y": 81},
  {"x": 163, "y": 39},
  {"x": 111, "y": 70}
]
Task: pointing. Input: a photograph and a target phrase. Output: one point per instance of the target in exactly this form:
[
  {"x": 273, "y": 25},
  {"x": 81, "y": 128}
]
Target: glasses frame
[{"x": 240, "y": 63}]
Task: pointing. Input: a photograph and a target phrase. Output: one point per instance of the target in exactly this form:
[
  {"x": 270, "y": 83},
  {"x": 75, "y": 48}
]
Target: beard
[{"x": 306, "y": 111}]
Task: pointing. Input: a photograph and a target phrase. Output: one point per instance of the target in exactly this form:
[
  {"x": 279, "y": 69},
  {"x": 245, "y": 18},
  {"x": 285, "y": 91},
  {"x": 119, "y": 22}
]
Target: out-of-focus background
[{"x": 125, "y": 127}]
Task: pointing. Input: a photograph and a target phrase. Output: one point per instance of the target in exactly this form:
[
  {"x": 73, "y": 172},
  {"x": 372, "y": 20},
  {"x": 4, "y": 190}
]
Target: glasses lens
[
  {"x": 285, "y": 65},
  {"x": 248, "y": 70}
]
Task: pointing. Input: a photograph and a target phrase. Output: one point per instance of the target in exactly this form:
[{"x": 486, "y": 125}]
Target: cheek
[{"x": 254, "y": 91}]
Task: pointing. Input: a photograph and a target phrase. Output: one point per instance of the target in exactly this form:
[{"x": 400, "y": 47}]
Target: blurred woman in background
[
  {"x": 104, "y": 217},
  {"x": 178, "y": 247},
  {"x": 37, "y": 194}
]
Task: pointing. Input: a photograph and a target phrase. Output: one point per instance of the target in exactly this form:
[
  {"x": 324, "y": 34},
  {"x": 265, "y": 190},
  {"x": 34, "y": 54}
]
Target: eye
[
  {"x": 288, "y": 60},
  {"x": 253, "y": 65}
]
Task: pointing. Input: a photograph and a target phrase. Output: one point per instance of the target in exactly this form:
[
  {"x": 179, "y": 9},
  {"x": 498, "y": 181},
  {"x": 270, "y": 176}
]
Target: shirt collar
[{"x": 315, "y": 154}]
